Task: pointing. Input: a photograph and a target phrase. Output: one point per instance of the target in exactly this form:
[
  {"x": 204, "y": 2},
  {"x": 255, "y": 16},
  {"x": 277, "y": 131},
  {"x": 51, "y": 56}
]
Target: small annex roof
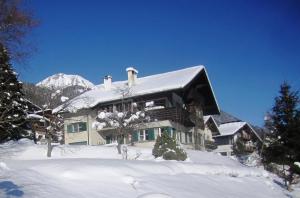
[
  {"x": 144, "y": 85},
  {"x": 208, "y": 117},
  {"x": 31, "y": 106},
  {"x": 233, "y": 127}
]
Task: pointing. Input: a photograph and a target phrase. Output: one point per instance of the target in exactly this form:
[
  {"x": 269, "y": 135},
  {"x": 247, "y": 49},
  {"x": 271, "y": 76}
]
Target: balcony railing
[
  {"x": 245, "y": 135},
  {"x": 174, "y": 114}
]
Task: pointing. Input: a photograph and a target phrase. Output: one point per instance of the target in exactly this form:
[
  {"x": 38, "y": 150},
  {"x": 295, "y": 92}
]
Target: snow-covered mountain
[{"x": 60, "y": 81}]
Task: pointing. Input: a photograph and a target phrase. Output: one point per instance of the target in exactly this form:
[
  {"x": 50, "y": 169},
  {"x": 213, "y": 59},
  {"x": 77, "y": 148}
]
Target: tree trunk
[
  {"x": 49, "y": 150},
  {"x": 199, "y": 139},
  {"x": 284, "y": 177},
  {"x": 34, "y": 136},
  {"x": 196, "y": 144},
  {"x": 202, "y": 142},
  {"x": 119, "y": 140}
]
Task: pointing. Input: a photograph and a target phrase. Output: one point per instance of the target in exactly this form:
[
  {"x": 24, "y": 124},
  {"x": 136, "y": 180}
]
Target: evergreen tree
[
  {"x": 167, "y": 147},
  {"x": 12, "y": 104},
  {"x": 282, "y": 146}
]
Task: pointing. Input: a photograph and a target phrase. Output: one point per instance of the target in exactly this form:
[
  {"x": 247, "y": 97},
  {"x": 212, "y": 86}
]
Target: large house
[{"x": 172, "y": 95}]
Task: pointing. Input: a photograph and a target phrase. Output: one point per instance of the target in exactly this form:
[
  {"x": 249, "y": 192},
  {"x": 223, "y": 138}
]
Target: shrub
[{"x": 167, "y": 147}]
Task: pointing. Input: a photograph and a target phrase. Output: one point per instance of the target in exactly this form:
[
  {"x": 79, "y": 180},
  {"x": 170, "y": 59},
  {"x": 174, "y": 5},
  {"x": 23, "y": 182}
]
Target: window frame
[{"x": 76, "y": 128}]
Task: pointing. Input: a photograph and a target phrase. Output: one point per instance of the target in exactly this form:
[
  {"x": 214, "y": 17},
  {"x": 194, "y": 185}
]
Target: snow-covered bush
[
  {"x": 252, "y": 159},
  {"x": 167, "y": 148}
]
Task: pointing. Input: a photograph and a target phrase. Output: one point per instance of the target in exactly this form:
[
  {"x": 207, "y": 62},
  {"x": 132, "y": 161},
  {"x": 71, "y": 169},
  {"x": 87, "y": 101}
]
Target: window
[
  {"x": 82, "y": 126},
  {"x": 142, "y": 135},
  {"x": 76, "y": 127}
]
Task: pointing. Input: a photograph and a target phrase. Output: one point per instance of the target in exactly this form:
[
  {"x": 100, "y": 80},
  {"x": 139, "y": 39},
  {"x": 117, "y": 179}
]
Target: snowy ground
[{"x": 98, "y": 171}]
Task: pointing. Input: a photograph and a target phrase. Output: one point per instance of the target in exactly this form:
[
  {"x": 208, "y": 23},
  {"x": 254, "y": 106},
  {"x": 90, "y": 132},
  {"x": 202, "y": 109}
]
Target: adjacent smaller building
[{"x": 226, "y": 130}]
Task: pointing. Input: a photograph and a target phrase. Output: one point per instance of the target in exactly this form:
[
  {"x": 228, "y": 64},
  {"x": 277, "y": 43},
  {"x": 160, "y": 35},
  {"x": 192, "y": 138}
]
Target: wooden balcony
[
  {"x": 174, "y": 114},
  {"x": 249, "y": 146},
  {"x": 245, "y": 136}
]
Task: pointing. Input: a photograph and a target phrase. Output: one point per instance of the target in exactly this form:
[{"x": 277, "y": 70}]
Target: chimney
[
  {"x": 132, "y": 76},
  {"x": 107, "y": 82}
]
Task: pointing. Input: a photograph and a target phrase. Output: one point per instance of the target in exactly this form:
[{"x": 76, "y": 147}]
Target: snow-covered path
[{"x": 79, "y": 173}]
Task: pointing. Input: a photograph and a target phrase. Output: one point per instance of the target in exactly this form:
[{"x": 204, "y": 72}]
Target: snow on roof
[
  {"x": 233, "y": 127},
  {"x": 230, "y": 128},
  {"x": 35, "y": 116},
  {"x": 132, "y": 69},
  {"x": 144, "y": 85},
  {"x": 206, "y": 118}
]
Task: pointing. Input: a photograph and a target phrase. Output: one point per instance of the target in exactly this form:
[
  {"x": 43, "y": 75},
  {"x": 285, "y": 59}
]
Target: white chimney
[
  {"x": 107, "y": 82},
  {"x": 132, "y": 76}
]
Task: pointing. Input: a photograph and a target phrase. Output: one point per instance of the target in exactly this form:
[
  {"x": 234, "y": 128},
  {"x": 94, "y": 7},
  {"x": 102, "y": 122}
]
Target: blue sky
[{"x": 248, "y": 47}]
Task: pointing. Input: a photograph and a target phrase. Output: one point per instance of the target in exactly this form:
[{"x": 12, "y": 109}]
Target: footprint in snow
[{"x": 130, "y": 180}]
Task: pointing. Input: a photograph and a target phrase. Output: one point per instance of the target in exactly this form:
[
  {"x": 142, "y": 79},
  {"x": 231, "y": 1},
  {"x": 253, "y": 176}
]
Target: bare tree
[
  {"x": 124, "y": 121},
  {"x": 53, "y": 120},
  {"x": 15, "y": 23}
]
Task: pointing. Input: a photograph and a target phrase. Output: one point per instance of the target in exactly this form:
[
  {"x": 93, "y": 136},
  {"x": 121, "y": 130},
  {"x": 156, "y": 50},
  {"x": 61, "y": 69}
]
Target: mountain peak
[{"x": 61, "y": 80}]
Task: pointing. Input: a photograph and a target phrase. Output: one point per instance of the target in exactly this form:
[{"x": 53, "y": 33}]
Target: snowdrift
[{"x": 98, "y": 171}]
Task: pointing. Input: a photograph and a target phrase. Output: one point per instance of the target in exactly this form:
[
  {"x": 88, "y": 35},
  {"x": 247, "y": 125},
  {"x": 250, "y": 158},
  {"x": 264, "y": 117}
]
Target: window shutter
[
  {"x": 135, "y": 136},
  {"x": 108, "y": 139},
  {"x": 169, "y": 131},
  {"x": 151, "y": 134}
]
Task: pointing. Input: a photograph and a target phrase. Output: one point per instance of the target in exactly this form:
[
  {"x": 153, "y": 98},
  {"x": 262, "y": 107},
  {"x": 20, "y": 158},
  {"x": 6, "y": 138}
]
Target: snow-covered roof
[
  {"x": 233, "y": 127},
  {"x": 143, "y": 85},
  {"x": 206, "y": 118}
]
